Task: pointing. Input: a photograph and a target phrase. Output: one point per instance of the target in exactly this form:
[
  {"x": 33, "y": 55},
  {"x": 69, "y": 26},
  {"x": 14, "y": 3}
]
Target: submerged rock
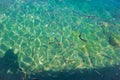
[
  {"x": 65, "y": 48},
  {"x": 114, "y": 40}
]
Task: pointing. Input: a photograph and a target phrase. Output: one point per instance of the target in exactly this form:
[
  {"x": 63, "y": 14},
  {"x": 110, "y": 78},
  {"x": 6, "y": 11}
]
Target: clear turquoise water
[{"x": 59, "y": 40}]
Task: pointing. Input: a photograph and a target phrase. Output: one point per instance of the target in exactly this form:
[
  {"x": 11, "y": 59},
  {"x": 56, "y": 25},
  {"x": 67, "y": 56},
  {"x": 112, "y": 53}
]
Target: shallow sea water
[{"x": 59, "y": 40}]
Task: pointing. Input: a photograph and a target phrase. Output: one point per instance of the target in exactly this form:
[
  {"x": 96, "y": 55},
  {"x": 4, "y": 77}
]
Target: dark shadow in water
[
  {"x": 107, "y": 73},
  {"x": 9, "y": 68}
]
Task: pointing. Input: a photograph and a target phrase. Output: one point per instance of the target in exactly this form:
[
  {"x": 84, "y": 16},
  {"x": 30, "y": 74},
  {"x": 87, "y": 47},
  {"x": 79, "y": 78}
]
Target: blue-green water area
[{"x": 60, "y": 40}]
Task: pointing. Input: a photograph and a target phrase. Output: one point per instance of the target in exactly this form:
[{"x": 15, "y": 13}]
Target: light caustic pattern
[{"x": 55, "y": 36}]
